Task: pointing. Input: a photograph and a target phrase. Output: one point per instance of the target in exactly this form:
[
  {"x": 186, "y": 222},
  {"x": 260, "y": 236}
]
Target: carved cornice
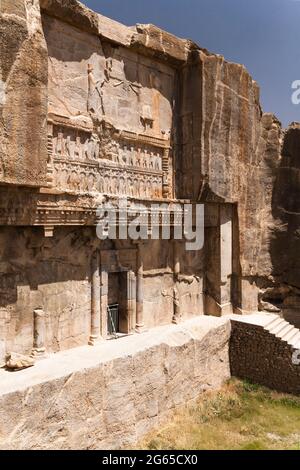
[{"x": 56, "y": 208}]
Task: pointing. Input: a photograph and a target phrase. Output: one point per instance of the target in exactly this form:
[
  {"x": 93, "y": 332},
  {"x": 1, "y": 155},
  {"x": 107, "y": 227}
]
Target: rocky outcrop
[
  {"x": 110, "y": 396},
  {"x": 229, "y": 152},
  {"x": 18, "y": 361},
  {"x": 23, "y": 94},
  {"x": 285, "y": 242}
]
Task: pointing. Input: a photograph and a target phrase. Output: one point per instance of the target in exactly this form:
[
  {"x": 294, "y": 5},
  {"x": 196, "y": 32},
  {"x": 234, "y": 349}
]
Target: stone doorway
[
  {"x": 113, "y": 320},
  {"x": 119, "y": 316},
  {"x": 117, "y": 311}
]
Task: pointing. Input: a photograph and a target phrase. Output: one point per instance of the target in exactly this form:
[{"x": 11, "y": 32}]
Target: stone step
[
  {"x": 289, "y": 336},
  {"x": 288, "y": 328},
  {"x": 295, "y": 340},
  {"x": 297, "y": 345},
  {"x": 273, "y": 323},
  {"x": 278, "y": 328}
]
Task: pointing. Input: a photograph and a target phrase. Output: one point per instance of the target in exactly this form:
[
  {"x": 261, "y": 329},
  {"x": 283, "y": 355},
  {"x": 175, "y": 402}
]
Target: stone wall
[
  {"x": 262, "y": 357},
  {"x": 109, "y": 396},
  {"x": 55, "y": 274}
]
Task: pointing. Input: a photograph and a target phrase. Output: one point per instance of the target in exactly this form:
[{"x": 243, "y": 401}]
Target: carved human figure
[
  {"x": 142, "y": 190},
  {"x": 136, "y": 190},
  {"x": 149, "y": 188},
  {"x": 158, "y": 163},
  {"x": 108, "y": 184},
  {"x": 114, "y": 185},
  {"x": 101, "y": 184},
  {"x": 92, "y": 148},
  {"x": 72, "y": 180},
  {"x": 151, "y": 161},
  {"x": 125, "y": 156},
  {"x": 122, "y": 186},
  {"x": 68, "y": 147},
  {"x": 78, "y": 149},
  {"x": 114, "y": 152},
  {"x": 95, "y": 102},
  {"x": 60, "y": 144},
  {"x": 62, "y": 178},
  {"x": 138, "y": 158},
  {"x": 80, "y": 182},
  {"x": 132, "y": 156},
  {"x": 145, "y": 159},
  {"x": 158, "y": 188},
  {"x": 91, "y": 182},
  {"x": 108, "y": 69},
  {"x": 176, "y": 302},
  {"x": 128, "y": 186}
]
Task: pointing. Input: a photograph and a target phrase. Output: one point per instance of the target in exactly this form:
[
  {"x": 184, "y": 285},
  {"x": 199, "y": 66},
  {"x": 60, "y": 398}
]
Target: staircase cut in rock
[{"x": 263, "y": 348}]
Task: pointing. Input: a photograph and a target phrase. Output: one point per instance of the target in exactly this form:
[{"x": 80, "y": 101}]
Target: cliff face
[
  {"x": 285, "y": 240},
  {"x": 229, "y": 152},
  {"x": 23, "y": 94},
  {"x": 223, "y": 148}
]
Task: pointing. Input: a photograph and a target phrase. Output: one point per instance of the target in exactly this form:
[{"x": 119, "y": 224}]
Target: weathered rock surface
[
  {"x": 91, "y": 110},
  {"x": 23, "y": 94},
  {"x": 16, "y": 361},
  {"x": 229, "y": 152},
  {"x": 223, "y": 148},
  {"x": 109, "y": 396}
]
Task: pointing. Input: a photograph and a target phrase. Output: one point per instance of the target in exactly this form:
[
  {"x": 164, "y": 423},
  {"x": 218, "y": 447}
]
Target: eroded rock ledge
[{"x": 109, "y": 396}]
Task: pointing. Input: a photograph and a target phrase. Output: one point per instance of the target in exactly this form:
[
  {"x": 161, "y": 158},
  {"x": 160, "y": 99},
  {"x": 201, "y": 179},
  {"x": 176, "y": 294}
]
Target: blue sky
[{"x": 264, "y": 35}]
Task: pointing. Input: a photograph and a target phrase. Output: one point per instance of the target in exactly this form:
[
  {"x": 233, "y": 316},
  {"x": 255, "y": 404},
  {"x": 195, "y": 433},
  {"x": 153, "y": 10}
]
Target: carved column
[
  {"x": 176, "y": 270},
  {"x": 140, "y": 291},
  {"x": 226, "y": 257},
  {"x": 132, "y": 295},
  {"x": 218, "y": 259},
  {"x": 104, "y": 300},
  {"x": 39, "y": 333},
  {"x": 127, "y": 301},
  {"x": 95, "y": 299}
]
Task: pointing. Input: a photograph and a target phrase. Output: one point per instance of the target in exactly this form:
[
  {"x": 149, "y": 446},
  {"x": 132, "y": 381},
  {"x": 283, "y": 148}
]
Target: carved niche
[{"x": 107, "y": 161}]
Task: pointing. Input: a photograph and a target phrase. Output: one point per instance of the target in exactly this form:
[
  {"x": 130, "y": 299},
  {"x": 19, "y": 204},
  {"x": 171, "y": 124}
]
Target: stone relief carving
[
  {"x": 95, "y": 104},
  {"x": 72, "y": 144},
  {"x": 114, "y": 77},
  {"x": 176, "y": 298},
  {"x": 105, "y": 162}
]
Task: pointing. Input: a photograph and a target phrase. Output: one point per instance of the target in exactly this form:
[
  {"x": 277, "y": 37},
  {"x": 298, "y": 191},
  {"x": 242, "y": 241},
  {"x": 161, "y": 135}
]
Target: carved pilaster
[
  {"x": 140, "y": 290},
  {"x": 104, "y": 300},
  {"x": 132, "y": 295},
  {"x": 39, "y": 333},
  {"x": 95, "y": 299}
]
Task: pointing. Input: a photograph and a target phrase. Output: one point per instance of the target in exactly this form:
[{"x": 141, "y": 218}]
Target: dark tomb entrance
[
  {"x": 117, "y": 310},
  {"x": 113, "y": 320}
]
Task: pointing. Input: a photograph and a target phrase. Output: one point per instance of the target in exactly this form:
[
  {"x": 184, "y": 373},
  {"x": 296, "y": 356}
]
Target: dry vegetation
[{"x": 241, "y": 416}]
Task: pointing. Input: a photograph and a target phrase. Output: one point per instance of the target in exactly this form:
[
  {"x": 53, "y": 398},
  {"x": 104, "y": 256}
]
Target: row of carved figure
[
  {"x": 88, "y": 180},
  {"x": 91, "y": 149}
]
